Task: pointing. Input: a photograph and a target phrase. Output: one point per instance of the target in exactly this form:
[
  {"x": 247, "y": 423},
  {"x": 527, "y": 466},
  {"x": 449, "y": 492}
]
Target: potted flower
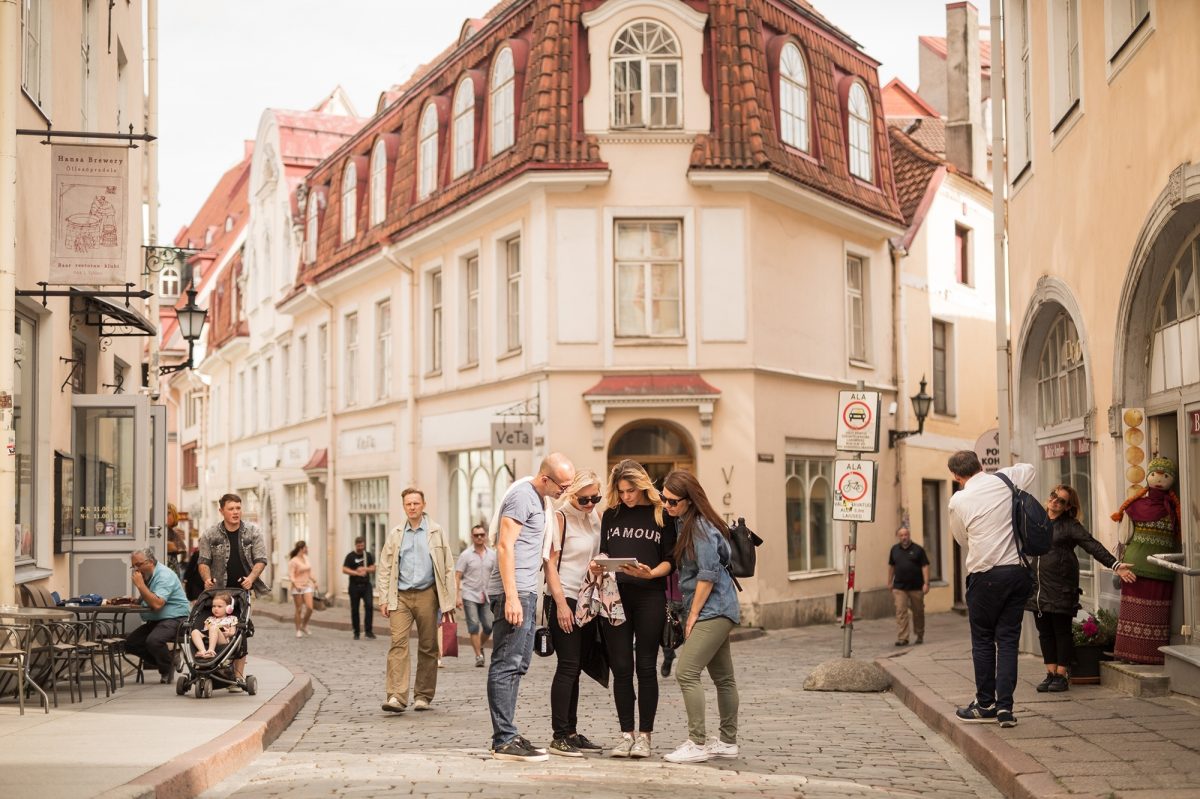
[{"x": 1092, "y": 637}]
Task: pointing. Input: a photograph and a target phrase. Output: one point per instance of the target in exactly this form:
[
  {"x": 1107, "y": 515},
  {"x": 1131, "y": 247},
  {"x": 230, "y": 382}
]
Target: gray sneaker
[
  {"x": 514, "y": 751},
  {"x": 641, "y": 746},
  {"x": 564, "y": 747},
  {"x": 623, "y": 748}
]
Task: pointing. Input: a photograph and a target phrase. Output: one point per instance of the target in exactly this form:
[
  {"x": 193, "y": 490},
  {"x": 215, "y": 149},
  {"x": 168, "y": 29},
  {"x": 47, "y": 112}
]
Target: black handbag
[
  {"x": 543, "y": 642},
  {"x": 672, "y": 635}
]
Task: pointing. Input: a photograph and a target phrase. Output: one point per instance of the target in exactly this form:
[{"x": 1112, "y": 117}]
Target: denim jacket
[
  {"x": 712, "y": 553},
  {"x": 214, "y": 552}
]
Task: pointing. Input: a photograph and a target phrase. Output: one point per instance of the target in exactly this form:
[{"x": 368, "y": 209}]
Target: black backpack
[
  {"x": 1031, "y": 524},
  {"x": 742, "y": 553}
]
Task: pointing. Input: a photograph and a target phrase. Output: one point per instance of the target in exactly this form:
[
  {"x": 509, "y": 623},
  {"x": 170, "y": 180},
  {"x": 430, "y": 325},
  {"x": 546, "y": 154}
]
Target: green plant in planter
[{"x": 1098, "y": 629}]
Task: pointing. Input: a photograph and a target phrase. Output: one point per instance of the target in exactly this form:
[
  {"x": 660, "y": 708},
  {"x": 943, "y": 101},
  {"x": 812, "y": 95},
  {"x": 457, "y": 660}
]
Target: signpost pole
[{"x": 848, "y": 602}]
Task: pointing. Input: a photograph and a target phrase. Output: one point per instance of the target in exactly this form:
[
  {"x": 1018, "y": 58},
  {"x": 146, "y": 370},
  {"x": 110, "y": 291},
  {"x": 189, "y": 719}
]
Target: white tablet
[{"x": 612, "y": 564}]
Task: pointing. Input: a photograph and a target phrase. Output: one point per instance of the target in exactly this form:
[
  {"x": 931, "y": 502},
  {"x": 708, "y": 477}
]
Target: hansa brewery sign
[{"x": 89, "y": 216}]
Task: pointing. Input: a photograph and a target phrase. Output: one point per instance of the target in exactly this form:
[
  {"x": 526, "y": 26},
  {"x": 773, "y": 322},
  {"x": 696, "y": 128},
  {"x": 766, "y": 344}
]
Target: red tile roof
[
  {"x": 937, "y": 45},
  {"x": 915, "y": 167},
  {"x": 930, "y": 133},
  {"x": 901, "y": 101},
  {"x": 669, "y": 384}
]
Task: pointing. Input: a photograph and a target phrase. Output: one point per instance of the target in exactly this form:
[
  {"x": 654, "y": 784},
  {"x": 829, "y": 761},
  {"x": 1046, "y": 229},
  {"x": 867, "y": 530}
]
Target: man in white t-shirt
[{"x": 997, "y": 582}]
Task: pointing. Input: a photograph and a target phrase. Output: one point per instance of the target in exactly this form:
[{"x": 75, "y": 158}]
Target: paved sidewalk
[
  {"x": 144, "y": 740},
  {"x": 1089, "y": 741}
]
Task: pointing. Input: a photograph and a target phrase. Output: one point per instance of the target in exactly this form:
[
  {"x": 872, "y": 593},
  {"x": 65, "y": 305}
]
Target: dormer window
[
  {"x": 464, "y": 127},
  {"x": 858, "y": 129},
  {"x": 645, "y": 77},
  {"x": 378, "y": 183},
  {"x": 349, "y": 195},
  {"x": 503, "y": 110},
  {"x": 427, "y": 153},
  {"x": 793, "y": 98},
  {"x": 228, "y": 223},
  {"x": 208, "y": 235},
  {"x": 310, "y": 229},
  {"x": 168, "y": 282}
]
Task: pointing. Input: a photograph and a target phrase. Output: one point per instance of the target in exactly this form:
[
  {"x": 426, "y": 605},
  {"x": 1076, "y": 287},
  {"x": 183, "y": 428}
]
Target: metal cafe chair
[{"x": 16, "y": 642}]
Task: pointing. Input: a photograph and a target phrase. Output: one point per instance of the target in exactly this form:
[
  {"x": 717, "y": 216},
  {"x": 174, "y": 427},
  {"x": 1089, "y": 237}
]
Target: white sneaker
[
  {"x": 718, "y": 748},
  {"x": 688, "y": 752},
  {"x": 394, "y": 705},
  {"x": 622, "y": 749}
]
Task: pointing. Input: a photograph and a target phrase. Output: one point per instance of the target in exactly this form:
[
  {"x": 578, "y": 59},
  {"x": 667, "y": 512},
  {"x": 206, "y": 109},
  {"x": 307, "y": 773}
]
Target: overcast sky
[{"x": 222, "y": 62}]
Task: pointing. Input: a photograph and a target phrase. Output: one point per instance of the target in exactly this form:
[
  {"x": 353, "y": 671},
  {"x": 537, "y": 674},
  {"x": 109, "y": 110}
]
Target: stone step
[
  {"x": 1135, "y": 679},
  {"x": 1182, "y": 666}
]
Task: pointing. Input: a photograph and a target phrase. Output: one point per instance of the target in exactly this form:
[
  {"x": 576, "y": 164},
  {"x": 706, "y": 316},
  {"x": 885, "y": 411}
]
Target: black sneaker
[
  {"x": 370, "y": 634},
  {"x": 356, "y": 636},
  {"x": 541, "y": 750},
  {"x": 513, "y": 750},
  {"x": 1044, "y": 685},
  {"x": 1006, "y": 718},
  {"x": 1059, "y": 684},
  {"x": 976, "y": 713},
  {"x": 564, "y": 747},
  {"x": 666, "y": 665},
  {"x": 581, "y": 743}
]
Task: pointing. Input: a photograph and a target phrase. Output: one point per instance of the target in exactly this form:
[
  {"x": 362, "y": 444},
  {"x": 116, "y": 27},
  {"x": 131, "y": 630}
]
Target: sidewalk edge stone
[{"x": 198, "y": 769}]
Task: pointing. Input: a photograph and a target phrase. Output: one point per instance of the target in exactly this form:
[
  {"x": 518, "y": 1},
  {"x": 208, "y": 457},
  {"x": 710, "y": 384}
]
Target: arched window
[
  {"x": 793, "y": 98},
  {"x": 349, "y": 194},
  {"x": 1062, "y": 388},
  {"x": 658, "y": 446},
  {"x": 1172, "y": 365},
  {"x": 427, "y": 153},
  {"x": 464, "y": 127},
  {"x": 645, "y": 77},
  {"x": 378, "y": 183},
  {"x": 310, "y": 229},
  {"x": 809, "y": 499},
  {"x": 168, "y": 282},
  {"x": 859, "y": 128},
  {"x": 503, "y": 111}
]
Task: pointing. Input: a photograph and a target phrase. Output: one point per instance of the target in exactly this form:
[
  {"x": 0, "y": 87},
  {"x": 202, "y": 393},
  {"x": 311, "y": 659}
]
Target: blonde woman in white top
[{"x": 576, "y": 542}]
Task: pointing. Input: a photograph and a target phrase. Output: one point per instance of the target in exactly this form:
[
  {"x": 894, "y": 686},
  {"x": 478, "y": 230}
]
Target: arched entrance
[{"x": 659, "y": 446}]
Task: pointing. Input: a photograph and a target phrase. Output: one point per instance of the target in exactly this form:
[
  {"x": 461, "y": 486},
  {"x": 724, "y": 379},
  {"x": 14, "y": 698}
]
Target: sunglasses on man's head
[
  {"x": 672, "y": 502},
  {"x": 593, "y": 500}
]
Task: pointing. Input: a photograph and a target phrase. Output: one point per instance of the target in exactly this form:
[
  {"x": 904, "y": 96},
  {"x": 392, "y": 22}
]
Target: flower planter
[{"x": 1087, "y": 664}]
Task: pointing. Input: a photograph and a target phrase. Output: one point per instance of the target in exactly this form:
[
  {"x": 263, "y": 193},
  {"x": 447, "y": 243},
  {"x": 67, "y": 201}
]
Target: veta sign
[
  {"x": 858, "y": 421},
  {"x": 512, "y": 436},
  {"x": 854, "y": 490}
]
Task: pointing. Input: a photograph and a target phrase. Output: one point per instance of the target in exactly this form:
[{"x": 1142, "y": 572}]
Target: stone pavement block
[
  {"x": 1091, "y": 786},
  {"x": 1037, "y": 786}
]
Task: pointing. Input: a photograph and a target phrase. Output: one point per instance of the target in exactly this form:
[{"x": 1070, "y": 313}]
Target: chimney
[{"x": 965, "y": 145}]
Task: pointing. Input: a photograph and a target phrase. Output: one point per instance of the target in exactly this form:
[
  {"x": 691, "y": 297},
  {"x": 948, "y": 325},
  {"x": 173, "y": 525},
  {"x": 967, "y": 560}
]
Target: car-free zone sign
[
  {"x": 858, "y": 421},
  {"x": 854, "y": 490}
]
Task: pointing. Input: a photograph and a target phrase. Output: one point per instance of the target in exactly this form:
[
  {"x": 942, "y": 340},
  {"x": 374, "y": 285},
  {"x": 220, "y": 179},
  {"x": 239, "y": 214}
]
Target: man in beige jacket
[{"x": 414, "y": 577}]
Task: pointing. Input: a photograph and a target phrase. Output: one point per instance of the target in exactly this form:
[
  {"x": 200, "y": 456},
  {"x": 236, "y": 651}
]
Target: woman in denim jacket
[{"x": 701, "y": 552}]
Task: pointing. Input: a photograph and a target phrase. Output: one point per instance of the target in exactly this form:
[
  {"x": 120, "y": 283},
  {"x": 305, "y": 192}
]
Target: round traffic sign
[
  {"x": 856, "y": 415},
  {"x": 853, "y": 486}
]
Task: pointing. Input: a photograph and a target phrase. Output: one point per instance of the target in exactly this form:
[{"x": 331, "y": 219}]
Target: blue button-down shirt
[
  {"x": 712, "y": 553},
  {"x": 165, "y": 584},
  {"x": 414, "y": 568}
]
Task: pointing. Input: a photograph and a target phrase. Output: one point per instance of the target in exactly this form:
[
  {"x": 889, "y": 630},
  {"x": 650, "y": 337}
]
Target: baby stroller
[{"x": 204, "y": 673}]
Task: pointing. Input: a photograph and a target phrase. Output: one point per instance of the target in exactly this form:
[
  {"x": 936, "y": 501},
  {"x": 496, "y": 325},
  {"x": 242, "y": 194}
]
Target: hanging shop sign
[
  {"x": 854, "y": 490},
  {"x": 512, "y": 437},
  {"x": 89, "y": 215},
  {"x": 858, "y": 421}
]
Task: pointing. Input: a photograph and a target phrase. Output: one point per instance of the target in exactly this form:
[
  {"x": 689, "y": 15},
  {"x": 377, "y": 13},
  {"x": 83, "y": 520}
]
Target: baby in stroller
[
  {"x": 220, "y": 627},
  {"x": 224, "y": 613}
]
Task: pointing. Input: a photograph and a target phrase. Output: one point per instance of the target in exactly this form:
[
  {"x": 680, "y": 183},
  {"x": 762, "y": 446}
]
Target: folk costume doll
[{"x": 1144, "y": 621}]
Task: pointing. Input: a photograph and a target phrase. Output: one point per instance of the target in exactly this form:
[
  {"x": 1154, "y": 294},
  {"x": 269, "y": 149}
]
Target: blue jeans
[
  {"x": 512, "y": 650},
  {"x": 479, "y": 616},
  {"x": 995, "y": 609}
]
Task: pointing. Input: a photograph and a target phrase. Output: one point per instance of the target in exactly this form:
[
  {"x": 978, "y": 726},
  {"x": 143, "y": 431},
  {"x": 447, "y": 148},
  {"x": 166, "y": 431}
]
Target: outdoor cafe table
[
  {"x": 35, "y": 617},
  {"x": 88, "y": 614}
]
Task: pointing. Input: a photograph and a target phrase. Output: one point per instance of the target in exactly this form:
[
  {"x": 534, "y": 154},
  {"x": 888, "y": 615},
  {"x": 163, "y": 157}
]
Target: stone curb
[
  {"x": 199, "y": 769},
  {"x": 1014, "y": 773}
]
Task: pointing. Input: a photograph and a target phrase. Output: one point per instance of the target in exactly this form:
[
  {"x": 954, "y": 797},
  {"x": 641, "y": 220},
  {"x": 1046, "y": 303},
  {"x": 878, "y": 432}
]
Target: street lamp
[
  {"x": 921, "y": 403},
  {"x": 191, "y": 321}
]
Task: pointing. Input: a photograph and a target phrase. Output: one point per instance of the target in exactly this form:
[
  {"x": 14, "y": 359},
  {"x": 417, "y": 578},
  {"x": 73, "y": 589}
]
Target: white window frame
[
  {"x": 349, "y": 201},
  {"x": 1066, "y": 61},
  {"x": 367, "y": 509},
  {"x": 436, "y": 321},
  {"x": 793, "y": 98},
  {"x": 168, "y": 282},
  {"x": 302, "y": 355},
  {"x": 859, "y": 132},
  {"x": 252, "y": 401},
  {"x": 511, "y": 296},
  {"x": 267, "y": 393},
  {"x": 858, "y": 301},
  {"x": 383, "y": 349},
  {"x": 350, "y": 360},
  {"x": 427, "y": 152},
  {"x": 285, "y": 379},
  {"x": 470, "y": 295},
  {"x": 502, "y": 100},
  {"x": 35, "y": 43},
  {"x": 807, "y": 471},
  {"x": 945, "y": 390},
  {"x": 311, "y": 227},
  {"x": 85, "y": 63},
  {"x": 464, "y": 127},
  {"x": 322, "y": 367},
  {"x": 1061, "y": 375},
  {"x": 648, "y": 263},
  {"x": 297, "y": 511},
  {"x": 643, "y": 58},
  {"x": 378, "y": 183}
]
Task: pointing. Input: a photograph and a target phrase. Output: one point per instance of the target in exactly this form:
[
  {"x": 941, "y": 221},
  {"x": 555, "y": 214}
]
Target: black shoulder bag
[{"x": 543, "y": 641}]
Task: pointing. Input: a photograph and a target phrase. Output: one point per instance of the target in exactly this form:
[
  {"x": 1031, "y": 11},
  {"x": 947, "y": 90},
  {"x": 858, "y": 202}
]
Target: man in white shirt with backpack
[{"x": 998, "y": 583}]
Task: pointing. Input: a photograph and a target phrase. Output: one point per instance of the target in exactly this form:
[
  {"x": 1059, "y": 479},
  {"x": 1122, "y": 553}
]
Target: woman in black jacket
[{"x": 1055, "y": 596}]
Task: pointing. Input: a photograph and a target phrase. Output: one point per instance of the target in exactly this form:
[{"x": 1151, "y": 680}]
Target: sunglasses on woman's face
[
  {"x": 594, "y": 500},
  {"x": 672, "y": 502},
  {"x": 1059, "y": 498}
]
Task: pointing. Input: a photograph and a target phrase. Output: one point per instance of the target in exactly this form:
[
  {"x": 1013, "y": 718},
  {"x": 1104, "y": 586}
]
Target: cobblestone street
[{"x": 794, "y": 743}]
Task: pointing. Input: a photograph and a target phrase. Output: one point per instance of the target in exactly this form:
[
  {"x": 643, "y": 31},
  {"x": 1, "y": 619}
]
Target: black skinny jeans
[
  {"x": 571, "y": 649},
  {"x": 645, "y": 615},
  {"x": 1054, "y": 632}
]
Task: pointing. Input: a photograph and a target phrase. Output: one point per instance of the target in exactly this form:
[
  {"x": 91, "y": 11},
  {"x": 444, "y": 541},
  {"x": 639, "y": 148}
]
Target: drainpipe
[
  {"x": 152, "y": 184},
  {"x": 389, "y": 253},
  {"x": 10, "y": 45},
  {"x": 331, "y": 493},
  {"x": 999, "y": 228},
  {"x": 900, "y": 366}
]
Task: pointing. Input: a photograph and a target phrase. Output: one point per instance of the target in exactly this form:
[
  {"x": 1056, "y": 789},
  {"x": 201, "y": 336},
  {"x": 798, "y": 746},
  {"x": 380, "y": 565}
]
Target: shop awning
[{"x": 113, "y": 318}]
